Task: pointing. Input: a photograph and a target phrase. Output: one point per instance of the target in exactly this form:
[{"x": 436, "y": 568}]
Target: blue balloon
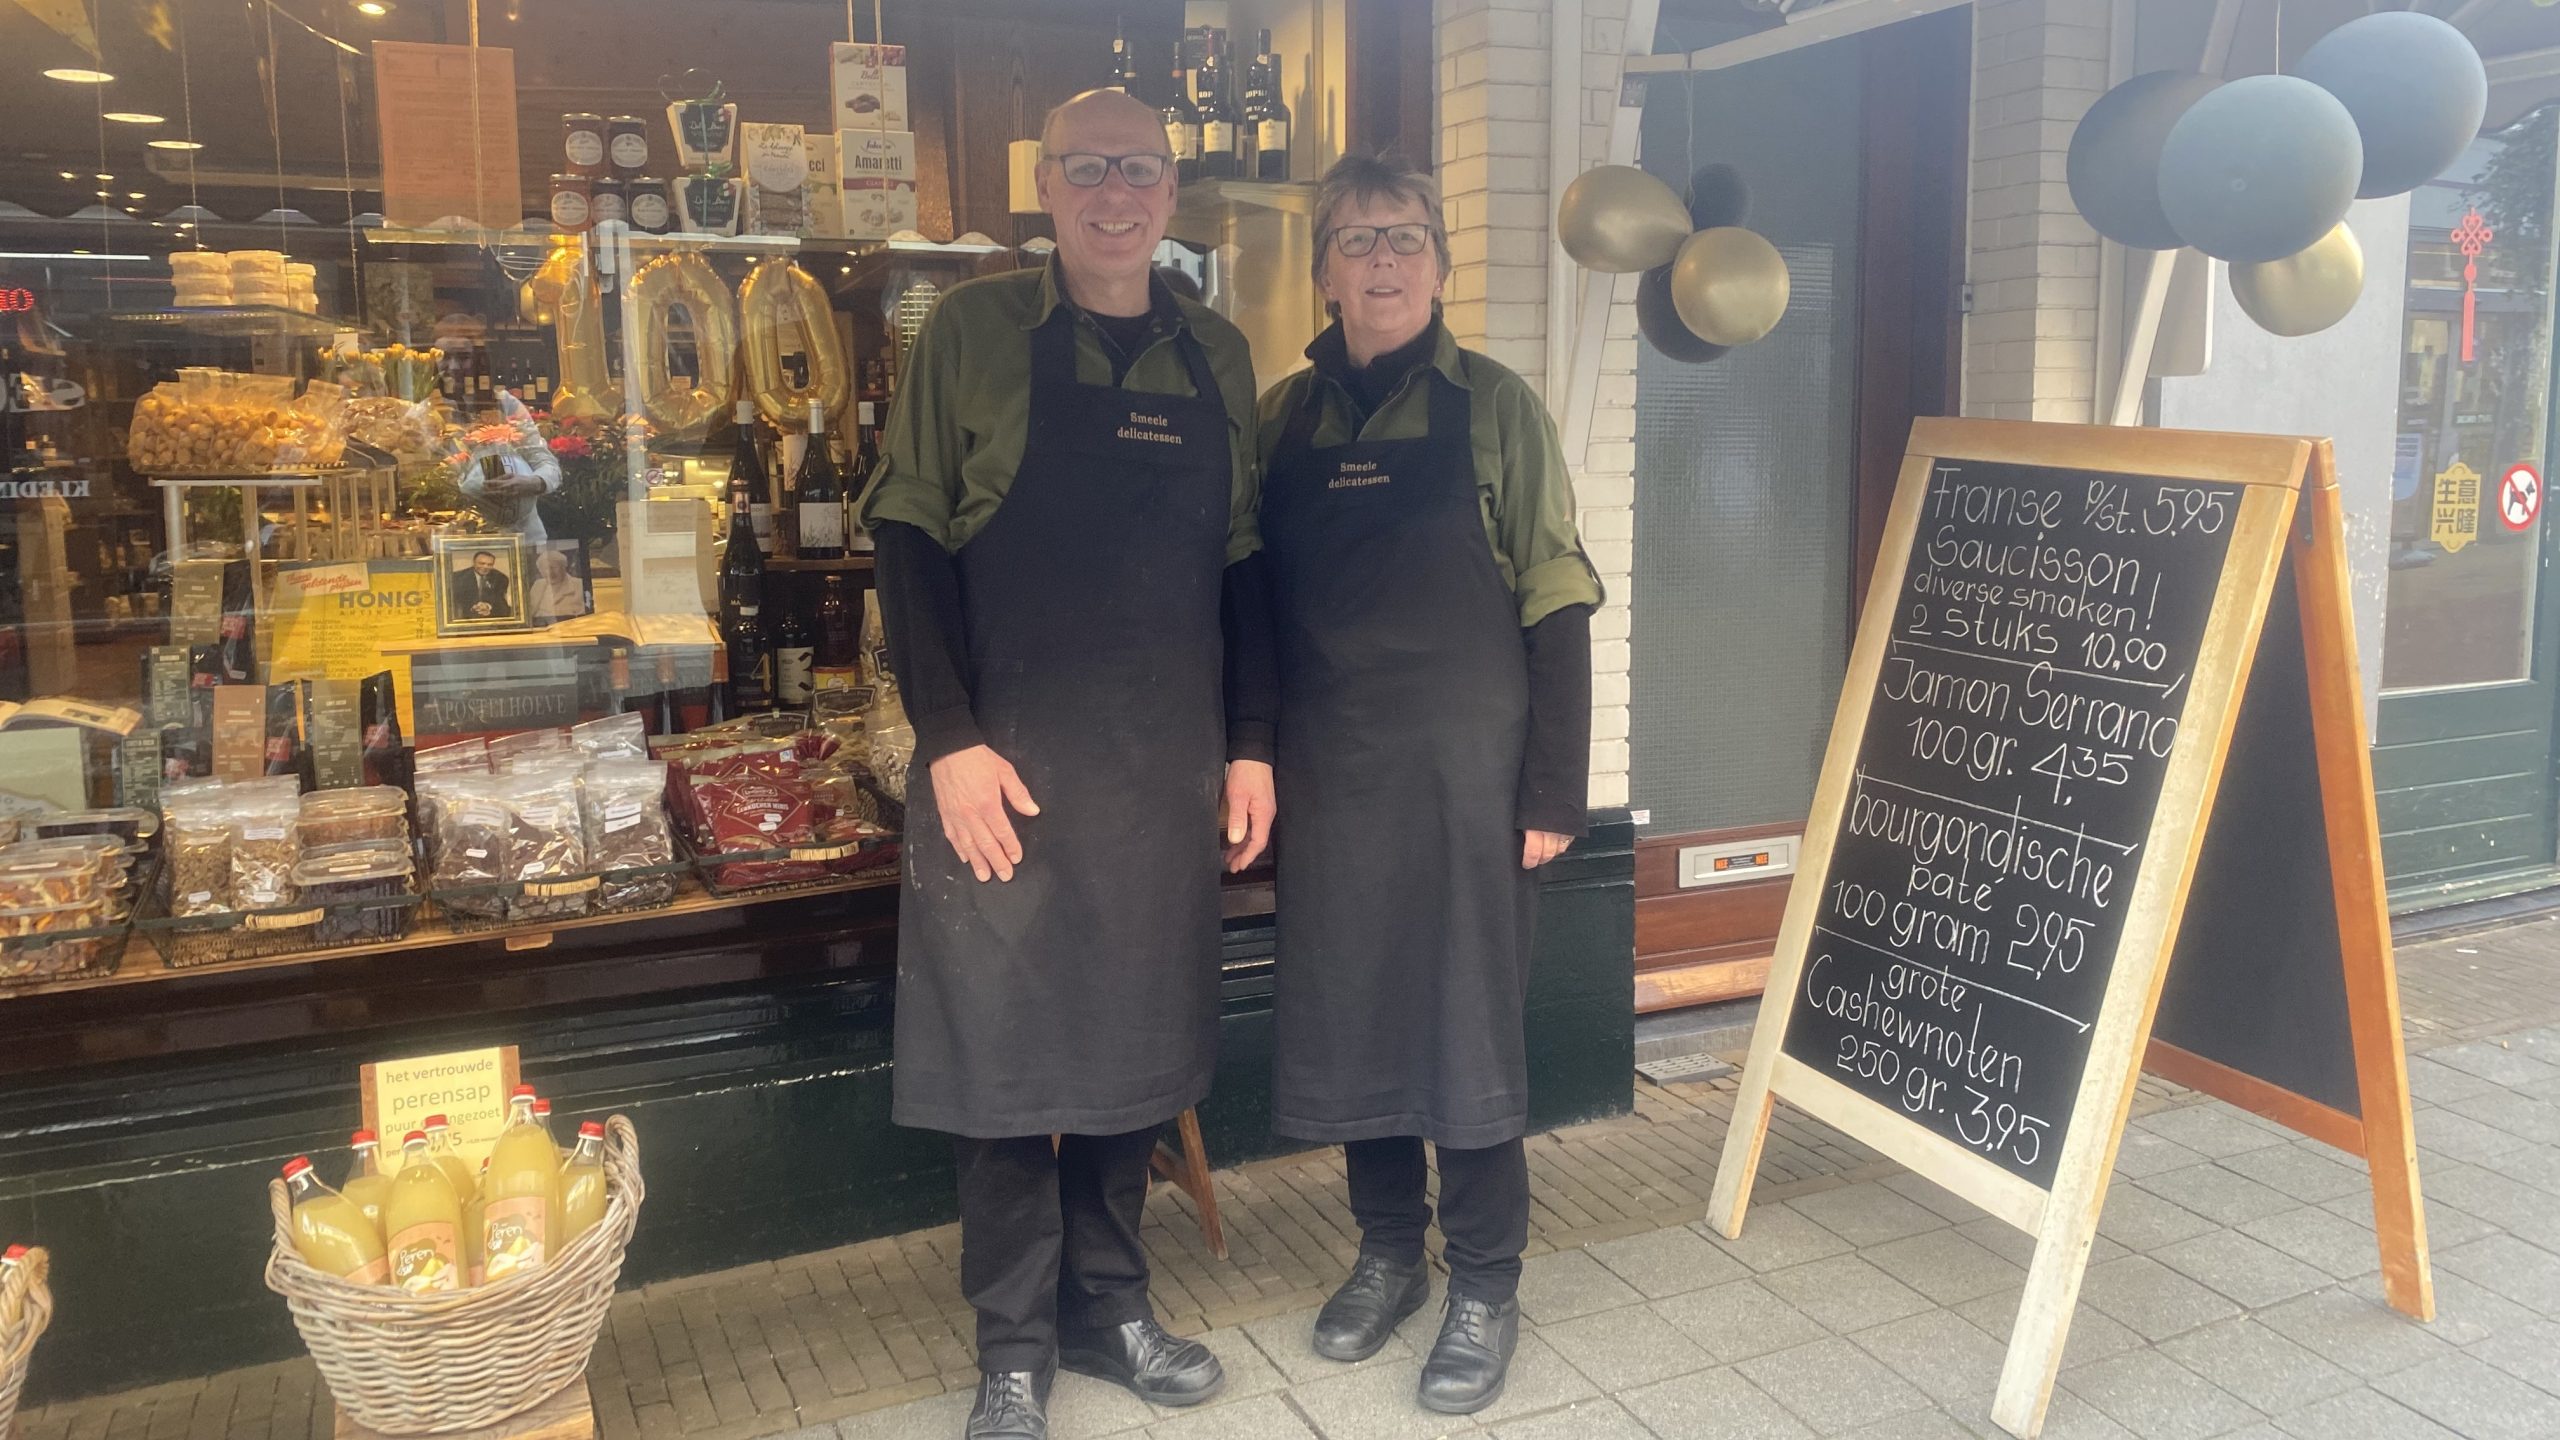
[
  {"x": 2260, "y": 169},
  {"x": 2416, "y": 88}
]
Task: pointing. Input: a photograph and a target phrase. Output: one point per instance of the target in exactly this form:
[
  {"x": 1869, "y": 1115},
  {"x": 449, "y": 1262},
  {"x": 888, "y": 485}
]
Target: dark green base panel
[{"x": 762, "y": 1107}]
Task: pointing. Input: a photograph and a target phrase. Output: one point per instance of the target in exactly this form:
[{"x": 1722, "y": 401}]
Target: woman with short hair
[{"x": 1431, "y": 611}]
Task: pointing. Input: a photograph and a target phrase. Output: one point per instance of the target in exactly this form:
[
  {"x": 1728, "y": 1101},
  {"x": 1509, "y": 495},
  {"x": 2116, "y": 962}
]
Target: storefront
[{"x": 373, "y": 444}]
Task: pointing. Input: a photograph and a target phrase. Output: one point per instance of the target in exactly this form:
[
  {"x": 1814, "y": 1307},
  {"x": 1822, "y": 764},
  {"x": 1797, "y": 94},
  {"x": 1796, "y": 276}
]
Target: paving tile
[
  {"x": 1539, "y": 1380},
  {"x": 940, "y": 1415},
  {"x": 1944, "y": 1266},
  {"x": 2222, "y": 1196},
  {"x": 2156, "y": 1397},
  {"x": 2338, "y": 1247},
  {"x": 1869, "y": 1214},
  {"x": 2212, "y": 1129},
  {"x": 2445, "y": 1133},
  {"x": 1374, "y": 1402},
  {"x": 2446, "y": 1226},
  {"x": 2094, "y": 1336},
  {"x": 2436, "y": 1083},
  {"x": 1263, "y": 1417},
  {"x": 1589, "y": 1420},
  {"x": 2362, "y": 1415},
  {"x": 2151, "y": 1299},
  {"x": 2249, "y": 1271},
  {"x": 1913, "y": 1425},
  {"x": 2525, "y": 1116},
  {"x": 2142, "y": 1153},
  {"x": 2468, "y": 1311},
  {"x": 1833, "y": 1385},
  {"x": 2496, "y": 1061},
  {"x": 1284, "y": 1341},
  {"x": 1712, "y": 1405},
  {"x": 1568, "y": 1283},
  {"x": 2306, "y": 1171},
  {"x": 2475, "y": 1398},
  {"x": 1946, "y": 1356},
  {"x": 2534, "y": 1165},
  {"x": 2141, "y": 1220},
  {"x": 1845, "y": 1293},
  {"x": 1738, "y": 1321},
  {"x": 1775, "y": 1237},
  {"x": 1668, "y": 1262},
  {"x": 2531, "y": 1354},
  {"x": 2359, "y": 1334},
  {"x": 1932, "y": 1197},
  {"x": 1621, "y": 1349},
  {"x": 2258, "y": 1365},
  {"x": 2508, "y": 1266},
  {"x": 2492, "y": 1200}
]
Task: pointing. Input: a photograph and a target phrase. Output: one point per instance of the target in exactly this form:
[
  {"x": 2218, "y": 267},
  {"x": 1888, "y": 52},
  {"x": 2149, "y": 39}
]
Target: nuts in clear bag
[{"x": 625, "y": 805}]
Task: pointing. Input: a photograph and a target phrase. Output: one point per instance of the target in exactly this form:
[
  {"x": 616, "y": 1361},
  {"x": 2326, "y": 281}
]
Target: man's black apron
[
  {"x": 1404, "y": 915},
  {"x": 1082, "y": 995}
]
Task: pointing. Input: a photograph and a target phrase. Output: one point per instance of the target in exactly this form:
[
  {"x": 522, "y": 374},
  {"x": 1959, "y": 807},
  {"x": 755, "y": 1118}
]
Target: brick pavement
[{"x": 2232, "y": 1290}]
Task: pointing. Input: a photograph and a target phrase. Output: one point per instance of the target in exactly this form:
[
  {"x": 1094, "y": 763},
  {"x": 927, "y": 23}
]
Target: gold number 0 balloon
[
  {"x": 658, "y": 288},
  {"x": 777, "y": 296},
  {"x": 565, "y": 290}
]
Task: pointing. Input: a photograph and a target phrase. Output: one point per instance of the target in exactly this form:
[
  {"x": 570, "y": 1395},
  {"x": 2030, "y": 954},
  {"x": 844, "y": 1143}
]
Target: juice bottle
[
  {"x": 475, "y": 1233},
  {"x": 366, "y": 1184},
  {"x": 582, "y": 1185},
  {"x": 457, "y": 1171},
  {"x": 13, "y": 1287},
  {"x": 523, "y": 1193},
  {"x": 423, "y": 1221},
  {"x": 331, "y": 1230},
  {"x": 542, "y": 1117}
]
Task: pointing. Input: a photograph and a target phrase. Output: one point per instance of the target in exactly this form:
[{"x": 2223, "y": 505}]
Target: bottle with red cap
[
  {"x": 520, "y": 1196},
  {"x": 331, "y": 1230},
  {"x": 542, "y": 1117},
  {"x": 582, "y": 1184},
  {"x": 13, "y": 1287},
  {"x": 366, "y": 1184},
  {"x": 423, "y": 1222}
]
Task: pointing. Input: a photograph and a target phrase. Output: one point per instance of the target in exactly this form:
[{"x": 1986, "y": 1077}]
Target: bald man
[{"x": 1065, "y": 483}]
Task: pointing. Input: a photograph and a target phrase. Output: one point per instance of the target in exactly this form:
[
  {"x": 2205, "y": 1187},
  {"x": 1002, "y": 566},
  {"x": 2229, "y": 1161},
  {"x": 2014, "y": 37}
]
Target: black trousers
[
  {"x": 1484, "y": 1209},
  {"x": 1050, "y": 1237}
]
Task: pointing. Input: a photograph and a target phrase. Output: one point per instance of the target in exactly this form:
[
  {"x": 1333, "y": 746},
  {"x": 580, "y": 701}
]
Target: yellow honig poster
[
  {"x": 467, "y": 1087},
  {"x": 336, "y": 622}
]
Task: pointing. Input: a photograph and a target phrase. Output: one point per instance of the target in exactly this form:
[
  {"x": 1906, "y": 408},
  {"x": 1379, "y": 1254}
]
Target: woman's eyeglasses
[
  {"x": 1142, "y": 172},
  {"x": 1356, "y": 241}
]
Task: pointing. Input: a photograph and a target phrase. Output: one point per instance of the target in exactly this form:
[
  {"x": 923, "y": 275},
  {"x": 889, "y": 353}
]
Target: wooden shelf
[{"x": 849, "y": 565}]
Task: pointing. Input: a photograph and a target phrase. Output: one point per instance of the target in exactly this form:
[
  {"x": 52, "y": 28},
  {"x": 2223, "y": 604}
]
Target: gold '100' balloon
[
  {"x": 2307, "y": 292},
  {"x": 563, "y": 292},
  {"x": 777, "y": 298},
  {"x": 1729, "y": 285},
  {"x": 1621, "y": 221},
  {"x": 683, "y": 281}
]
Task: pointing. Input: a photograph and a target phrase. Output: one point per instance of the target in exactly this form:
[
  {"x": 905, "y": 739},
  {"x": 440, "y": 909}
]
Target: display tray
[
  {"x": 726, "y": 873},
  {"x": 91, "y": 953},
  {"x": 519, "y": 904},
  {"x": 193, "y": 942}
]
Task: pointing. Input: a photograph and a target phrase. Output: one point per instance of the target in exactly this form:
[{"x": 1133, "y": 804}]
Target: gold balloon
[
  {"x": 564, "y": 292},
  {"x": 681, "y": 279},
  {"x": 2303, "y": 293},
  {"x": 1619, "y": 220},
  {"x": 1729, "y": 285},
  {"x": 776, "y": 297}
]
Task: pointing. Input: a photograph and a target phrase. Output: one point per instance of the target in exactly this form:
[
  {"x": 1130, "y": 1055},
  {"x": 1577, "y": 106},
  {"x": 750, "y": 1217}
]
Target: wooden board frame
[{"x": 2290, "y": 500}]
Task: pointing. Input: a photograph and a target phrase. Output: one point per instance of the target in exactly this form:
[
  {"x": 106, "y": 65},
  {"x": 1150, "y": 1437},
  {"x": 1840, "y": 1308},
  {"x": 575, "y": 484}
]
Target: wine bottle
[
  {"x": 1267, "y": 113},
  {"x": 750, "y": 658},
  {"x": 821, "y": 494},
  {"x": 1218, "y": 156},
  {"x": 1124, "y": 61},
  {"x": 742, "y": 568},
  {"x": 1181, "y": 126},
  {"x": 794, "y": 660},
  {"x": 839, "y": 649}
]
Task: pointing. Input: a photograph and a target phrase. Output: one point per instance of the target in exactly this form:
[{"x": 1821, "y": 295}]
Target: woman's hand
[
  {"x": 972, "y": 788},
  {"x": 1250, "y": 806},
  {"x": 1537, "y": 847}
]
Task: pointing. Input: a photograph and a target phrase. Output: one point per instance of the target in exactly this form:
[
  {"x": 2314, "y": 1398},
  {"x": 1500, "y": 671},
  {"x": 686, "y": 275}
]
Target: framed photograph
[
  {"x": 481, "y": 584},
  {"x": 563, "y": 588}
]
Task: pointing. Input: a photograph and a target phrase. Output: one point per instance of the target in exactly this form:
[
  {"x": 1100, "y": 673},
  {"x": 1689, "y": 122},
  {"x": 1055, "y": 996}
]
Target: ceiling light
[
  {"x": 133, "y": 194},
  {"x": 67, "y": 175},
  {"x": 69, "y": 76},
  {"x": 106, "y": 194},
  {"x": 175, "y": 144},
  {"x": 135, "y": 117},
  {"x": 104, "y": 178},
  {"x": 375, "y": 8}
]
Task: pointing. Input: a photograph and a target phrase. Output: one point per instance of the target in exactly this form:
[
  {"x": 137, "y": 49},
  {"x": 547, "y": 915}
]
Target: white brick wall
[
  {"x": 1494, "y": 82},
  {"x": 2030, "y": 350}
]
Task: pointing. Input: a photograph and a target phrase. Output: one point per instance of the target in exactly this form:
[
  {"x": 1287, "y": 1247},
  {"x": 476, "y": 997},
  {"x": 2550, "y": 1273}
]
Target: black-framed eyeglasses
[
  {"x": 1356, "y": 241},
  {"x": 1085, "y": 171}
]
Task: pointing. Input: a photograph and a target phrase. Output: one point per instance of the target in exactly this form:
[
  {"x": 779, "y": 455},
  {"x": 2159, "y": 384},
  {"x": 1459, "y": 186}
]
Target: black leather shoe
[
  {"x": 1012, "y": 1405},
  {"x": 1156, "y": 1366},
  {"x": 1356, "y": 1322},
  {"x": 1472, "y": 1356}
]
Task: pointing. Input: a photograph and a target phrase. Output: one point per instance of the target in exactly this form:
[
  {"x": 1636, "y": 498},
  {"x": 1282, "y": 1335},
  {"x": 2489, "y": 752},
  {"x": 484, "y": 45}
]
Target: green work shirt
[
  {"x": 1521, "y": 480},
  {"x": 955, "y": 435}
]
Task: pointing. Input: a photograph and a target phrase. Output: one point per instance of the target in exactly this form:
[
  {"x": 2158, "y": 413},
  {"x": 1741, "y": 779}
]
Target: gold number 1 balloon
[
  {"x": 777, "y": 298},
  {"x": 564, "y": 290}
]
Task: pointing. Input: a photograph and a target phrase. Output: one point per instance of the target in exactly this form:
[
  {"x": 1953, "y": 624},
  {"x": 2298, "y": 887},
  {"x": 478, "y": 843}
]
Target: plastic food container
[
  {"x": 33, "y": 881},
  {"x": 130, "y": 825},
  {"x": 105, "y": 856},
  {"x": 25, "y": 955},
  {"x": 340, "y": 884},
  {"x": 339, "y": 817}
]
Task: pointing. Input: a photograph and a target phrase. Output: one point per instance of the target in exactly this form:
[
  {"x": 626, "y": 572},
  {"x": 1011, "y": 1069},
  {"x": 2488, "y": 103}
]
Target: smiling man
[{"x": 1066, "y": 480}]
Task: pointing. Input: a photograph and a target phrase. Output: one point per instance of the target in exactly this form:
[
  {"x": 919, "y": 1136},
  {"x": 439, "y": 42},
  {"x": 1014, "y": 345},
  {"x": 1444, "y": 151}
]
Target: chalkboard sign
[
  {"x": 2091, "y": 659},
  {"x": 2016, "y": 739}
]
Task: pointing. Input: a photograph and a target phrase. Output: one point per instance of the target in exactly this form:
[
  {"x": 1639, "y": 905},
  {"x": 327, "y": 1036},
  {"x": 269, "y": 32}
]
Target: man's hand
[
  {"x": 972, "y": 787},
  {"x": 1250, "y": 806},
  {"x": 1537, "y": 847}
]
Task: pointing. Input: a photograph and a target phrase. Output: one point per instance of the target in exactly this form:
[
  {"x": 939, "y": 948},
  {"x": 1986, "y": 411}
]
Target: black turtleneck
[{"x": 1369, "y": 385}]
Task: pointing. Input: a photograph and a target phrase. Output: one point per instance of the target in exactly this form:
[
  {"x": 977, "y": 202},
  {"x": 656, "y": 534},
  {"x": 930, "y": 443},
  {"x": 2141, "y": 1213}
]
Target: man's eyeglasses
[
  {"x": 1356, "y": 241},
  {"x": 1085, "y": 171}
]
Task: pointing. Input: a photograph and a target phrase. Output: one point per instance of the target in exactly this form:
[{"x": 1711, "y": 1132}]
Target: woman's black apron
[
  {"x": 1082, "y": 995},
  {"x": 1404, "y": 916}
]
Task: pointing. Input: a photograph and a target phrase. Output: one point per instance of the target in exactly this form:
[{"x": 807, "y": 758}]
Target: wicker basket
[
  {"x": 425, "y": 1364},
  {"x": 14, "y": 1348}
]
